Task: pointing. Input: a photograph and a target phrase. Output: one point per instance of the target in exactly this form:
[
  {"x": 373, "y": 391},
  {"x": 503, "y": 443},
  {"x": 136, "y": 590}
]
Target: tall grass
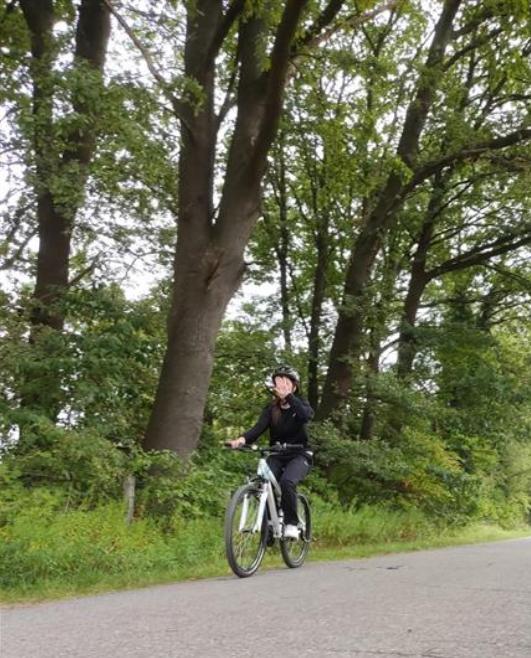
[
  {"x": 75, "y": 551},
  {"x": 48, "y": 553},
  {"x": 369, "y": 524}
]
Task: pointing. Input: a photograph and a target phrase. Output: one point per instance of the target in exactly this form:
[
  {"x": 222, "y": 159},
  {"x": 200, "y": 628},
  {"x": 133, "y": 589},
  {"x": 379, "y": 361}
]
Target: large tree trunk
[
  {"x": 203, "y": 287},
  {"x": 406, "y": 340},
  {"x": 391, "y": 267},
  {"x": 209, "y": 255},
  {"x": 347, "y": 344}
]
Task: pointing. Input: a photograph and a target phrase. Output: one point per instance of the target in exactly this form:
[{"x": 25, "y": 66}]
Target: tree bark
[
  {"x": 346, "y": 347},
  {"x": 318, "y": 298},
  {"x": 418, "y": 281},
  {"x": 373, "y": 368},
  {"x": 406, "y": 339}
]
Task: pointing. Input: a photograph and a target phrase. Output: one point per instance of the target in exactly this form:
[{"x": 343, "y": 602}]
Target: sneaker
[{"x": 291, "y": 532}]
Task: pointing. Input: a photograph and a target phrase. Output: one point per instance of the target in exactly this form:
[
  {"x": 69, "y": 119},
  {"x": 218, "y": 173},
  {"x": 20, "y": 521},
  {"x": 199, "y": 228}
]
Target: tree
[
  {"x": 61, "y": 173},
  {"x": 60, "y": 134},
  {"x": 404, "y": 178},
  {"x": 209, "y": 263},
  {"x": 489, "y": 219}
]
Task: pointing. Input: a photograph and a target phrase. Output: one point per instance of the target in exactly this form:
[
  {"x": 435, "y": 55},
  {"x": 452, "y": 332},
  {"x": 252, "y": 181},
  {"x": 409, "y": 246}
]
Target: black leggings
[{"x": 289, "y": 472}]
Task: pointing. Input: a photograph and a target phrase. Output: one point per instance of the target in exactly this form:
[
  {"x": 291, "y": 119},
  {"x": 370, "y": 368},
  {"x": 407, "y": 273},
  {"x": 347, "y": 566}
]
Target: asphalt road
[{"x": 472, "y": 601}]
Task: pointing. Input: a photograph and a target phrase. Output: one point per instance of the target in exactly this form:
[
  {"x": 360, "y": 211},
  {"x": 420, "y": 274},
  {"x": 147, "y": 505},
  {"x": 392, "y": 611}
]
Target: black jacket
[{"x": 291, "y": 424}]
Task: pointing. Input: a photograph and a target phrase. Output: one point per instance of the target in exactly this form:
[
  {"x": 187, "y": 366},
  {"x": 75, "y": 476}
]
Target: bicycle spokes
[
  {"x": 294, "y": 550},
  {"x": 245, "y": 531}
]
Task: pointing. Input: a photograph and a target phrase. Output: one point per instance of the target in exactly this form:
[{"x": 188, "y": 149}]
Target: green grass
[
  {"x": 473, "y": 534},
  {"x": 50, "y": 555}
]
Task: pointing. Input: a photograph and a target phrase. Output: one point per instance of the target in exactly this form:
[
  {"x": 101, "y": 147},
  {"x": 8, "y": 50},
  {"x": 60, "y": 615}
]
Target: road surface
[{"x": 471, "y": 601}]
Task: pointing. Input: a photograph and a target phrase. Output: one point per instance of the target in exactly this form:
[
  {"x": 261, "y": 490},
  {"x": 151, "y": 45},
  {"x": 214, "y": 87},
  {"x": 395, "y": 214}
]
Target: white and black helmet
[{"x": 286, "y": 371}]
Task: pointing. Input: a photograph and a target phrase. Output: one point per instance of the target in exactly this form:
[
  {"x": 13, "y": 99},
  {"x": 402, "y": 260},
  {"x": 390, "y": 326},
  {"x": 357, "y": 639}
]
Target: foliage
[
  {"x": 107, "y": 363},
  {"x": 197, "y": 489},
  {"x": 245, "y": 357},
  {"x": 453, "y": 480}
]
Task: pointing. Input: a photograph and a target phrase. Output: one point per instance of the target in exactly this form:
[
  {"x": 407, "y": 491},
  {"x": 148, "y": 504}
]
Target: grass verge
[{"x": 44, "y": 557}]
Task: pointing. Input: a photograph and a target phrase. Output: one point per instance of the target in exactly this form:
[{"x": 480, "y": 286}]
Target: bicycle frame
[{"x": 269, "y": 487}]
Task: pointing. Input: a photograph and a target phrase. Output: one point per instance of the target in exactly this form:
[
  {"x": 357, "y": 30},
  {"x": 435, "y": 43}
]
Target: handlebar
[{"x": 277, "y": 447}]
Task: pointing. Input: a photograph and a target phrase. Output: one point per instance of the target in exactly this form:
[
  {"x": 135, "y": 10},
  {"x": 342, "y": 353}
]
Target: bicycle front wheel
[
  {"x": 245, "y": 533},
  {"x": 294, "y": 551}
]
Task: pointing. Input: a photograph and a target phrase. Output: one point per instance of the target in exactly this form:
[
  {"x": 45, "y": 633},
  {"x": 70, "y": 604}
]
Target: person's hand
[
  {"x": 283, "y": 387},
  {"x": 236, "y": 443}
]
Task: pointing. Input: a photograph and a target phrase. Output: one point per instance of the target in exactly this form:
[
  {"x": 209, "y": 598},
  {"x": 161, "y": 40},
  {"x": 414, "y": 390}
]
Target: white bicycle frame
[{"x": 270, "y": 486}]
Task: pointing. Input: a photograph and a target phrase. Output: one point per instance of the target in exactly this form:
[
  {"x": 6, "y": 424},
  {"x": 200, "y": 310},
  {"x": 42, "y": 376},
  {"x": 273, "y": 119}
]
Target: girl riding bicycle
[{"x": 286, "y": 418}]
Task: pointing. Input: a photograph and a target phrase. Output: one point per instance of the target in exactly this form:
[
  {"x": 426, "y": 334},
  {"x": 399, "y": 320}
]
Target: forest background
[{"x": 367, "y": 164}]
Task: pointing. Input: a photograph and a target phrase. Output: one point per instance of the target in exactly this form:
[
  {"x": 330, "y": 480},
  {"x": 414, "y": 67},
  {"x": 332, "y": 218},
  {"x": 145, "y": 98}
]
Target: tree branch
[
  {"x": 229, "y": 19},
  {"x": 430, "y": 168},
  {"x": 298, "y": 303},
  {"x": 176, "y": 102},
  {"x": 525, "y": 282},
  {"x": 229, "y": 100},
  {"x": 482, "y": 253},
  {"x": 87, "y": 270},
  {"x": 417, "y": 111},
  {"x": 476, "y": 43},
  {"x": 325, "y": 18},
  {"x": 17, "y": 255},
  {"x": 484, "y": 14},
  {"x": 277, "y": 74},
  {"x": 315, "y": 35}
]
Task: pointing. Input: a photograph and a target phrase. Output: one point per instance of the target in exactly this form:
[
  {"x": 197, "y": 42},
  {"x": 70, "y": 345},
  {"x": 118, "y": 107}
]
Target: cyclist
[{"x": 285, "y": 418}]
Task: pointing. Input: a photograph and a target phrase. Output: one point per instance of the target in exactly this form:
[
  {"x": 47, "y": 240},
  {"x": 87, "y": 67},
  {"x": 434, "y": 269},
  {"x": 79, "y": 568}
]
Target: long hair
[{"x": 275, "y": 411}]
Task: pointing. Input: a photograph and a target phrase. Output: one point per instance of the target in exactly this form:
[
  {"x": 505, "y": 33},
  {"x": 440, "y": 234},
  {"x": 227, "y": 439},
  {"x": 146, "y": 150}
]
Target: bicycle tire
[
  {"x": 294, "y": 551},
  {"x": 236, "y": 540}
]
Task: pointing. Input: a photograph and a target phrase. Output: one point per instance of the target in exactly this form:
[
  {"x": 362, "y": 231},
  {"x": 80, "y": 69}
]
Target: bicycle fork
[
  {"x": 243, "y": 527},
  {"x": 267, "y": 497}
]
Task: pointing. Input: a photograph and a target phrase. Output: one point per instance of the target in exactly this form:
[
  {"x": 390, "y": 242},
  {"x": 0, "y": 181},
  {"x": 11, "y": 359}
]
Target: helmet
[{"x": 286, "y": 371}]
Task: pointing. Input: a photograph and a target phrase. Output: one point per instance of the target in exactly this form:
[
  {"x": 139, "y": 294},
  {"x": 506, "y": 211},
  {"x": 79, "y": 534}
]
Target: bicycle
[{"x": 254, "y": 519}]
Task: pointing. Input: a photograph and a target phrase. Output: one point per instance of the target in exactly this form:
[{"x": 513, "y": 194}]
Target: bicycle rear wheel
[
  {"x": 294, "y": 551},
  {"x": 245, "y": 534}
]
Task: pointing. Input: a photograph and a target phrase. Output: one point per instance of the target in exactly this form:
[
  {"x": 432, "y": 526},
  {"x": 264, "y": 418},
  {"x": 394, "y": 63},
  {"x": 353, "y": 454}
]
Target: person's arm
[
  {"x": 302, "y": 409},
  {"x": 262, "y": 424}
]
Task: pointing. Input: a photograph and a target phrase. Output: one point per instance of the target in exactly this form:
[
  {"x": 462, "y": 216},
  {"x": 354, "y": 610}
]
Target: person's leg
[
  {"x": 276, "y": 464},
  {"x": 294, "y": 472}
]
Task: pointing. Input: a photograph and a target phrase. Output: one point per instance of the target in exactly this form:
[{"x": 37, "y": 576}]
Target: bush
[
  {"x": 198, "y": 489},
  {"x": 82, "y": 466},
  {"x": 458, "y": 479}
]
